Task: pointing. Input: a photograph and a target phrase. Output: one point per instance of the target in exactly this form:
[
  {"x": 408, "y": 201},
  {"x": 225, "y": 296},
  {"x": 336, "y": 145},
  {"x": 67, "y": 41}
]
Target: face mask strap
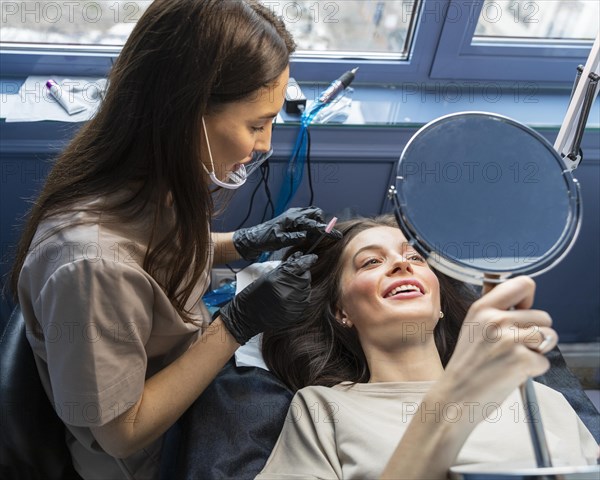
[
  {"x": 212, "y": 175},
  {"x": 209, "y": 150}
]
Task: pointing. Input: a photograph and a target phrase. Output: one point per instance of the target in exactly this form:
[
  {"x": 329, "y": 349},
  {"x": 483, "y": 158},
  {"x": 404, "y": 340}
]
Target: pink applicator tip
[
  {"x": 330, "y": 225},
  {"x": 328, "y": 229}
]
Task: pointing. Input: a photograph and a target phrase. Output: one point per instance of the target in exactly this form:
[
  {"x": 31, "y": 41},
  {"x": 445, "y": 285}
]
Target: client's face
[{"x": 387, "y": 288}]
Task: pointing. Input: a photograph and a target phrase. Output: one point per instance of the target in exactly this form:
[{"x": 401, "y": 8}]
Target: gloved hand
[
  {"x": 289, "y": 228},
  {"x": 276, "y": 299}
]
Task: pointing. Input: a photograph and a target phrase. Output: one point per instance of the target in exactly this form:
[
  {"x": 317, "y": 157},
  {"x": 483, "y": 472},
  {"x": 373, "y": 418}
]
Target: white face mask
[{"x": 238, "y": 177}]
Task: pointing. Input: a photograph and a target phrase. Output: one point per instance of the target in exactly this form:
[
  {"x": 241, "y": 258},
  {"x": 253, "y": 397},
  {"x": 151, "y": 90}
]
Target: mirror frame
[{"x": 466, "y": 272}]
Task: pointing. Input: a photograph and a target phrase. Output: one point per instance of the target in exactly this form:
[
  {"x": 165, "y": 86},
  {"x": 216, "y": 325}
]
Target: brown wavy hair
[
  {"x": 183, "y": 59},
  {"x": 320, "y": 351}
]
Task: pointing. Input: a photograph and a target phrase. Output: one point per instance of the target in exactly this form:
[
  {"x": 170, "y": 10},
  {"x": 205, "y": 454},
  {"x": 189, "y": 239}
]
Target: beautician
[{"x": 117, "y": 249}]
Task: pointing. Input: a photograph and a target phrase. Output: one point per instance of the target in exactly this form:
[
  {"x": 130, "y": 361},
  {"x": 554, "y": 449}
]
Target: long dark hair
[
  {"x": 319, "y": 351},
  {"x": 183, "y": 59}
]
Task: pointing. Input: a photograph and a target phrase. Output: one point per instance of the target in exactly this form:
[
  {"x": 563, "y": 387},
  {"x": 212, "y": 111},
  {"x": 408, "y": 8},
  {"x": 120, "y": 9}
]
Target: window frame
[
  {"x": 422, "y": 49},
  {"x": 41, "y": 59},
  {"x": 549, "y": 62},
  {"x": 44, "y": 59},
  {"x": 440, "y": 50}
]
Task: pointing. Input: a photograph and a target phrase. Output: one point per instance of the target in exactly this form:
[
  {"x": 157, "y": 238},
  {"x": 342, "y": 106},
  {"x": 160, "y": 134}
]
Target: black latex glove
[
  {"x": 276, "y": 299},
  {"x": 289, "y": 228}
]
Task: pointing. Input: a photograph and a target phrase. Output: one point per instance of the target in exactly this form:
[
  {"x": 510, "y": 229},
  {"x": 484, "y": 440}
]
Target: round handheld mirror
[{"x": 484, "y": 197}]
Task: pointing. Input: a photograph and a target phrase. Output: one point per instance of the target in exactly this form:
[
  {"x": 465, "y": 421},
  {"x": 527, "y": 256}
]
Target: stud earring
[{"x": 441, "y": 314}]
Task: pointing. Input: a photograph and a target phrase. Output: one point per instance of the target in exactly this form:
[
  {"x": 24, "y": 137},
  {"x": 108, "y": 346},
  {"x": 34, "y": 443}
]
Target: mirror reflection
[{"x": 484, "y": 192}]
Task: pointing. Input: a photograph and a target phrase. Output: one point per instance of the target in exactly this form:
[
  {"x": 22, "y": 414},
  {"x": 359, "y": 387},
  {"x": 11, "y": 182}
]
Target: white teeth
[{"x": 403, "y": 288}]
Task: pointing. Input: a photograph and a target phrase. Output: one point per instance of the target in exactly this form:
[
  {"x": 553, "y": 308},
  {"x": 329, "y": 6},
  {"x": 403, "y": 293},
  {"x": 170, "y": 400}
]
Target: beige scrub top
[
  {"x": 351, "y": 432},
  {"x": 99, "y": 326}
]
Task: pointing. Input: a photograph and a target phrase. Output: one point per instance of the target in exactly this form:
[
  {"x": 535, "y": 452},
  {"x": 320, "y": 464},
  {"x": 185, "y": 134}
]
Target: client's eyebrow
[
  {"x": 405, "y": 247},
  {"x": 368, "y": 247}
]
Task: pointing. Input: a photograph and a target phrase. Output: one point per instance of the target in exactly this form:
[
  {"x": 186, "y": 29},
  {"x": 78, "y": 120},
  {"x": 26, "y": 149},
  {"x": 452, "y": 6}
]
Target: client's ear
[{"x": 342, "y": 317}]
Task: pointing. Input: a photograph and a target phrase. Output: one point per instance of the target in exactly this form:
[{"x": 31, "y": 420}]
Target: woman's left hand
[{"x": 289, "y": 228}]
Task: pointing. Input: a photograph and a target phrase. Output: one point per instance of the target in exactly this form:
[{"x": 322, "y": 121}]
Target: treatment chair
[
  {"x": 230, "y": 430},
  {"x": 32, "y": 437}
]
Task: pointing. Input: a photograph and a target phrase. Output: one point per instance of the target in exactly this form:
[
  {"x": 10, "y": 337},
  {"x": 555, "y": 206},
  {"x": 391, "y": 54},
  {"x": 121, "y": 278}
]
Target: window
[
  {"x": 392, "y": 41},
  {"x": 548, "y": 20},
  {"x": 339, "y": 27},
  {"x": 509, "y": 40},
  {"x": 35, "y": 34},
  {"x": 69, "y": 22},
  {"x": 365, "y": 28}
]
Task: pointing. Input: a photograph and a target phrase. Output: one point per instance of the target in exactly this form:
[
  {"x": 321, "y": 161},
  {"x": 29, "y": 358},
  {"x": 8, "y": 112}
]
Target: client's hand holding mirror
[{"x": 483, "y": 198}]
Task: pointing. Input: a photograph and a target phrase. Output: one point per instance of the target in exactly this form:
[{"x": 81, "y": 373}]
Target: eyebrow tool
[{"x": 328, "y": 229}]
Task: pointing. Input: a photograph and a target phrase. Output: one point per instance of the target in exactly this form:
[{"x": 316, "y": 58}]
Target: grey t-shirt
[
  {"x": 351, "y": 432},
  {"x": 99, "y": 326}
]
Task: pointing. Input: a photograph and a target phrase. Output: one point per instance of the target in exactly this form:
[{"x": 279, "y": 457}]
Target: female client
[{"x": 399, "y": 378}]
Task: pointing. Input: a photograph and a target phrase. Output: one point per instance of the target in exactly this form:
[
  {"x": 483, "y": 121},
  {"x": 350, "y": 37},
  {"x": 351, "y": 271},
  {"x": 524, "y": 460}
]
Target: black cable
[
  {"x": 264, "y": 215},
  {"x": 265, "y": 172},
  {"x": 251, "y": 205},
  {"x": 268, "y": 193},
  {"x": 232, "y": 270},
  {"x": 264, "y": 178}
]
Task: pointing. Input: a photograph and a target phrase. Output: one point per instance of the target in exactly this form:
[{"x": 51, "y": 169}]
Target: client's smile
[{"x": 409, "y": 287}]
